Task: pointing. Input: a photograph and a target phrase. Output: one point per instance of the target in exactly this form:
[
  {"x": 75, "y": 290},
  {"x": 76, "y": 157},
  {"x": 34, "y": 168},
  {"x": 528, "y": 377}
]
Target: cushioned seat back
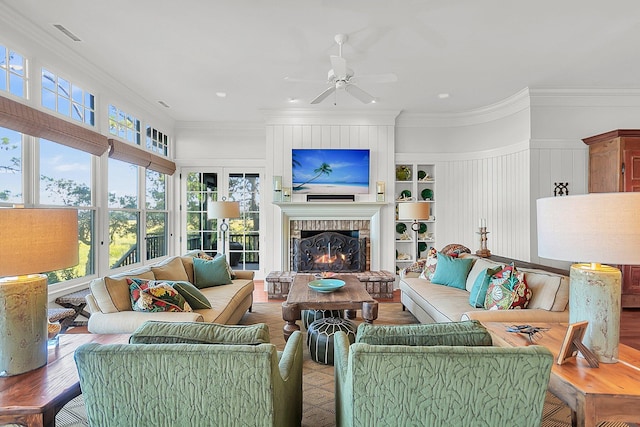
[
  {"x": 177, "y": 384},
  {"x": 445, "y": 386}
]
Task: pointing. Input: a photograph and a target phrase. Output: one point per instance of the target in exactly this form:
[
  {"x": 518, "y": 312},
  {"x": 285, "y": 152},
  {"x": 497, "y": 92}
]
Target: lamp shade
[
  {"x": 595, "y": 227},
  {"x": 414, "y": 210},
  {"x": 37, "y": 240},
  {"x": 223, "y": 209}
]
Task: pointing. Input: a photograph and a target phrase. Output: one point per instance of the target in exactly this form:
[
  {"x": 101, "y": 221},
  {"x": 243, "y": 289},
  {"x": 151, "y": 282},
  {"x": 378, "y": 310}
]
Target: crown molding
[
  {"x": 216, "y": 126},
  {"x": 300, "y": 116},
  {"x": 505, "y": 108},
  {"x": 585, "y": 97}
]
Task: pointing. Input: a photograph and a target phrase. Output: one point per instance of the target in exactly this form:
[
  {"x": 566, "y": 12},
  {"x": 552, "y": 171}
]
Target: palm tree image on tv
[
  {"x": 330, "y": 171},
  {"x": 324, "y": 169}
]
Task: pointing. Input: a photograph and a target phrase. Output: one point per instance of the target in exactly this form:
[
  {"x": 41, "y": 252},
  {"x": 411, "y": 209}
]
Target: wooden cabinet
[{"x": 614, "y": 166}]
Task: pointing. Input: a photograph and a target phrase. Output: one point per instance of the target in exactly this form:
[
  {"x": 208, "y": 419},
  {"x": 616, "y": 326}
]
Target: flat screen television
[{"x": 330, "y": 171}]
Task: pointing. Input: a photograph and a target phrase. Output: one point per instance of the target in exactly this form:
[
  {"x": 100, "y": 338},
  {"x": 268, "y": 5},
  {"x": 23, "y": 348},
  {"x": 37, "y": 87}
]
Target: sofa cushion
[
  {"x": 507, "y": 290},
  {"x": 479, "y": 266},
  {"x": 544, "y": 287},
  {"x": 170, "y": 269},
  {"x": 154, "y": 332},
  {"x": 469, "y": 333},
  {"x": 479, "y": 291},
  {"x": 153, "y": 296},
  {"x": 440, "y": 303},
  {"x": 212, "y": 272},
  {"x": 112, "y": 294},
  {"x": 452, "y": 271},
  {"x": 225, "y": 300},
  {"x": 192, "y": 294}
]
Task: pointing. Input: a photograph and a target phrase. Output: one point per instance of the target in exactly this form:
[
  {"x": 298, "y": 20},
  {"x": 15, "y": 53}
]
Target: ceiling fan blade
[
  {"x": 358, "y": 93},
  {"x": 376, "y": 78},
  {"x": 328, "y": 91},
  {"x": 339, "y": 65},
  {"x": 297, "y": 80}
]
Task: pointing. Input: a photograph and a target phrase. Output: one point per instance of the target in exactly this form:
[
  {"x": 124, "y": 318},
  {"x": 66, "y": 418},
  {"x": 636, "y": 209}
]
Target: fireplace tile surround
[{"x": 332, "y": 216}]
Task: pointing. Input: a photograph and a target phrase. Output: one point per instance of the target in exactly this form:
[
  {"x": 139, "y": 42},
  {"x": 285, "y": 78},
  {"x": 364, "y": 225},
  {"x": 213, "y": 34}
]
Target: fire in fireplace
[{"x": 336, "y": 251}]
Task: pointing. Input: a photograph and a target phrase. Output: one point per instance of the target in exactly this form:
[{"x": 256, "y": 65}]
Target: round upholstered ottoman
[
  {"x": 320, "y": 337},
  {"x": 310, "y": 316}
]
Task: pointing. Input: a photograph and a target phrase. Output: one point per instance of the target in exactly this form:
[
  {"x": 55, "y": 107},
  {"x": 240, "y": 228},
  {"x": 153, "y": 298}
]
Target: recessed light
[
  {"x": 164, "y": 104},
  {"x": 443, "y": 95},
  {"x": 292, "y": 100},
  {"x": 221, "y": 94},
  {"x": 66, "y": 32}
]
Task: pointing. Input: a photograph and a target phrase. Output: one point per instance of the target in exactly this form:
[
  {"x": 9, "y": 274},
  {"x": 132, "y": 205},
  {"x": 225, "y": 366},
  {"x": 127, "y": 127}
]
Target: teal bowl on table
[{"x": 326, "y": 285}]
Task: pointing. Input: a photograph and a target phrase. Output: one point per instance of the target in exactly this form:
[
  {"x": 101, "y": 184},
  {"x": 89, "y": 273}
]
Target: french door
[{"x": 242, "y": 240}]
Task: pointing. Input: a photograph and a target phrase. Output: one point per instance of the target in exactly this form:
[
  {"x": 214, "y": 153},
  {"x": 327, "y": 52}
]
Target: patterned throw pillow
[
  {"x": 430, "y": 265},
  {"x": 154, "y": 296},
  {"x": 455, "y": 249},
  {"x": 478, "y": 293},
  {"x": 507, "y": 290}
]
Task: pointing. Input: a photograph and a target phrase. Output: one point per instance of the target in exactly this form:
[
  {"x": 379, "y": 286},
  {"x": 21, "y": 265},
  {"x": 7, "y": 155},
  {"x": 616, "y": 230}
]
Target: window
[
  {"x": 156, "y": 215},
  {"x": 65, "y": 180},
  {"x": 10, "y": 166},
  {"x": 13, "y": 72},
  {"x": 157, "y": 142},
  {"x": 244, "y": 232},
  {"x": 124, "y": 126},
  {"x": 124, "y": 214},
  {"x": 61, "y": 95}
]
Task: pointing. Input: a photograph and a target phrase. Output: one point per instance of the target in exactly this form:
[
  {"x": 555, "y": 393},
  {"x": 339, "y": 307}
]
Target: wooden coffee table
[
  {"x": 35, "y": 397},
  {"x": 353, "y": 296},
  {"x": 610, "y": 392}
]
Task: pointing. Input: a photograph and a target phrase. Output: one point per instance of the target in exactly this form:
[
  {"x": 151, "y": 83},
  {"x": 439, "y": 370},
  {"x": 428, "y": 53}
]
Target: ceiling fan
[{"x": 342, "y": 77}]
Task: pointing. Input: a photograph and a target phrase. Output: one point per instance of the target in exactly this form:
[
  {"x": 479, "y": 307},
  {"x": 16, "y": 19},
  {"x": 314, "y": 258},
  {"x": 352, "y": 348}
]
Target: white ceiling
[{"x": 478, "y": 51}]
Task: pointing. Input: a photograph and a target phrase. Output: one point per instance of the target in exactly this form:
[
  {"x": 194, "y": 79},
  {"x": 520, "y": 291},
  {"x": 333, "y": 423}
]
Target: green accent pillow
[
  {"x": 479, "y": 290},
  {"x": 162, "y": 332},
  {"x": 192, "y": 294},
  {"x": 452, "y": 271},
  {"x": 212, "y": 272}
]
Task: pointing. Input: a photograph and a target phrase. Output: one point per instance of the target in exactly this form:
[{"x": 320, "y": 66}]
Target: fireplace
[
  {"x": 335, "y": 251},
  {"x": 337, "y": 245}
]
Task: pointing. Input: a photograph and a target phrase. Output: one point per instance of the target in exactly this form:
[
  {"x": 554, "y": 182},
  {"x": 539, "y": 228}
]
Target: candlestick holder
[{"x": 483, "y": 251}]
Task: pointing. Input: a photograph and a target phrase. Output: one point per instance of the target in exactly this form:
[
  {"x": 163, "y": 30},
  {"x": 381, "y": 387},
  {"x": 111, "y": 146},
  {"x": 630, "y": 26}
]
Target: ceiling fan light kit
[{"x": 342, "y": 77}]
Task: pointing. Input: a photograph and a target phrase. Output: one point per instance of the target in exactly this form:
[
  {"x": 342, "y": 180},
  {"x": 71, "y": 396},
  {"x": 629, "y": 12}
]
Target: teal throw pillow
[
  {"x": 192, "y": 294},
  {"x": 452, "y": 271},
  {"x": 480, "y": 286},
  {"x": 212, "y": 272}
]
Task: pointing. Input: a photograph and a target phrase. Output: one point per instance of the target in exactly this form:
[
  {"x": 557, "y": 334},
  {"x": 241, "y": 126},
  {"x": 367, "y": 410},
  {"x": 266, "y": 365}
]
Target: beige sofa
[
  {"x": 109, "y": 299},
  {"x": 433, "y": 303}
]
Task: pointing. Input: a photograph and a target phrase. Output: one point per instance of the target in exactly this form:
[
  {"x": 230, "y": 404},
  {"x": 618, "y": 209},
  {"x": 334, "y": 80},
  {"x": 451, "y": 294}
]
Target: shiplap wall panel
[
  {"x": 495, "y": 188},
  {"x": 282, "y": 138}
]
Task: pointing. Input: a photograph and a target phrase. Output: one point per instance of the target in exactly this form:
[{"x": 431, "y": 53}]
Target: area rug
[{"x": 318, "y": 386}]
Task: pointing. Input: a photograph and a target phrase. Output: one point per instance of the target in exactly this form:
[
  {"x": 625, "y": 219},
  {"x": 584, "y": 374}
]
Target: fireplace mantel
[
  {"x": 370, "y": 211},
  {"x": 330, "y": 210}
]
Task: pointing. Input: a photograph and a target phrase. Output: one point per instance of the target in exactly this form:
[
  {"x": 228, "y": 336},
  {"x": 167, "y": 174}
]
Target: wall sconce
[
  {"x": 277, "y": 188},
  {"x": 380, "y": 191}
]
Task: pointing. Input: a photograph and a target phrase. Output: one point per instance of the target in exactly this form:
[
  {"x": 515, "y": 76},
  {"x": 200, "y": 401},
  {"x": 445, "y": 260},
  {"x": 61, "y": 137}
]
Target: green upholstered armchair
[
  {"x": 425, "y": 383},
  {"x": 147, "y": 383}
]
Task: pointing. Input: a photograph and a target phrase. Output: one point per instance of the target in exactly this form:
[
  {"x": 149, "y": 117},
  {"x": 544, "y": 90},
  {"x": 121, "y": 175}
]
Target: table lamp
[
  {"x": 414, "y": 211},
  {"x": 593, "y": 228},
  {"x": 222, "y": 209},
  {"x": 32, "y": 241}
]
